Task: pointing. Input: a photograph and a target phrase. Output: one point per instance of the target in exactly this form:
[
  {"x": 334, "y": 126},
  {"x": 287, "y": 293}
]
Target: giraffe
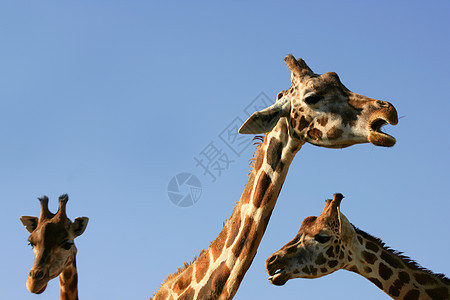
[
  {"x": 317, "y": 109},
  {"x": 51, "y": 236},
  {"x": 330, "y": 242}
]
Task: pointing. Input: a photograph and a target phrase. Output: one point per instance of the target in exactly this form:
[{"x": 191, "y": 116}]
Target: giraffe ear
[
  {"x": 265, "y": 120},
  {"x": 347, "y": 230},
  {"x": 29, "y": 222},
  {"x": 79, "y": 225}
]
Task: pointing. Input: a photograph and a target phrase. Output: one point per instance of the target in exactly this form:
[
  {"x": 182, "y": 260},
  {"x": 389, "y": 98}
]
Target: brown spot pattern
[
  {"x": 376, "y": 282},
  {"x": 330, "y": 252},
  {"x": 234, "y": 230},
  {"x": 302, "y": 124},
  {"x": 403, "y": 276},
  {"x": 218, "y": 244},
  {"x": 384, "y": 271},
  {"x": 394, "y": 290},
  {"x": 183, "y": 281},
  {"x": 201, "y": 266},
  {"x": 360, "y": 240},
  {"x": 412, "y": 295},
  {"x": 369, "y": 257},
  {"x": 315, "y": 134},
  {"x": 423, "y": 278},
  {"x": 323, "y": 120},
  {"x": 391, "y": 260},
  {"x": 263, "y": 190},
  {"x": 372, "y": 246},
  {"x": 245, "y": 198},
  {"x": 216, "y": 283},
  {"x": 249, "y": 226},
  {"x": 274, "y": 153},
  {"x": 320, "y": 260},
  {"x": 332, "y": 263}
]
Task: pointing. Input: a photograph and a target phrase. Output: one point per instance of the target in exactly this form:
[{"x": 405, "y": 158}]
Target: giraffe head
[
  {"x": 319, "y": 248},
  {"x": 51, "y": 237},
  {"x": 320, "y": 110}
]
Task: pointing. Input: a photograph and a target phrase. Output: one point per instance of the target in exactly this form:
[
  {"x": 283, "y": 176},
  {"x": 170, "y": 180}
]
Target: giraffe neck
[
  {"x": 68, "y": 281},
  {"x": 219, "y": 270},
  {"x": 397, "y": 275}
]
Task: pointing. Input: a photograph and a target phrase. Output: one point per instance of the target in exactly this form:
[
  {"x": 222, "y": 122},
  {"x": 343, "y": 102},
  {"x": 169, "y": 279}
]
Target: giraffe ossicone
[
  {"x": 330, "y": 242},
  {"x": 317, "y": 109},
  {"x": 52, "y": 238}
]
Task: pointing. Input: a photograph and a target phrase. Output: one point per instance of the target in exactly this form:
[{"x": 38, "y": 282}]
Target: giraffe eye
[
  {"x": 31, "y": 244},
  {"x": 67, "y": 245},
  {"x": 312, "y": 99},
  {"x": 322, "y": 238}
]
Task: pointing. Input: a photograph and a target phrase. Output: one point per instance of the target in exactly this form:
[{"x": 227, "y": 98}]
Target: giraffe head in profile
[
  {"x": 320, "y": 110},
  {"x": 319, "y": 248},
  {"x": 52, "y": 238},
  {"x": 330, "y": 242}
]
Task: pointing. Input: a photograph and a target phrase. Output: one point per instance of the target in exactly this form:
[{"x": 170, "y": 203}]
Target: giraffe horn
[
  {"x": 62, "y": 206},
  {"x": 337, "y": 198},
  {"x": 297, "y": 66},
  {"x": 327, "y": 204},
  {"x": 45, "y": 212},
  {"x": 331, "y": 209}
]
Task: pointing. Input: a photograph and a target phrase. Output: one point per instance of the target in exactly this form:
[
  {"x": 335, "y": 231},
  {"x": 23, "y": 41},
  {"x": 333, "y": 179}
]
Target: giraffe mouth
[
  {"x": 377, "y": 136},
  {"x": 42, "y": 290},
  {"x": 36, "y": 289},
  {"x": 278, "y": 277}
]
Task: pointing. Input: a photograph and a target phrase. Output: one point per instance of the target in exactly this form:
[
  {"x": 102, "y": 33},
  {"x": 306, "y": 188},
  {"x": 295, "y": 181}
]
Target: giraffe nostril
[
  {"x": 36, "y": 274},
  {"x": 382, "y": 103},
  {"x": 272, "y": 259}
]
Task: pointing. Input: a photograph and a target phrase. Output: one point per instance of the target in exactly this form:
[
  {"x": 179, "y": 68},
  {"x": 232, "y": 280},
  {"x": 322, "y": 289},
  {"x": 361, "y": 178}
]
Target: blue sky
[{"x": 108, "y": 100}]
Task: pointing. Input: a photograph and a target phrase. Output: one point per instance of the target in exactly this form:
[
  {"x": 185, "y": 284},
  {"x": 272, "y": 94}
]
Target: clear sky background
[{"x": 108, "y": 100}]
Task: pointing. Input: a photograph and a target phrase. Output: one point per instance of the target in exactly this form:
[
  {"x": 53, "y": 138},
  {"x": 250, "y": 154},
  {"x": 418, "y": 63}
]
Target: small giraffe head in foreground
[
  {"x": 330, "y": 242},
  {"x": 52, "y": 238},
  {"x": 320, "y": 110},
  {"x": 319, "y": 248}
]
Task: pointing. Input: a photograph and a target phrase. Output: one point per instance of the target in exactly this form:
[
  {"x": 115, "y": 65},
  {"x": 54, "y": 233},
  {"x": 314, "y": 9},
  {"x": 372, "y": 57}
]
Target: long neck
[
  {"x": 219, "y": 270},
  {"x": 397, "y": 275},
  {"x": 68, "y": 281}
]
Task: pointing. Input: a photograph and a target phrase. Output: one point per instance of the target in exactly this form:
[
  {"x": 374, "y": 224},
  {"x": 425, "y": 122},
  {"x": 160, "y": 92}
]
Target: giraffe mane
[
  {"x": 407, "y": 260},
  {"x": 258, "y": 140}
]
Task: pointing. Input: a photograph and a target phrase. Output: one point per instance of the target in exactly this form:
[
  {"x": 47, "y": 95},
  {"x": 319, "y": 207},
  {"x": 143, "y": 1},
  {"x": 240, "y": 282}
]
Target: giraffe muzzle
[
  {"x": 37, "y": 281},
  {"x": 276, "y": 270}
]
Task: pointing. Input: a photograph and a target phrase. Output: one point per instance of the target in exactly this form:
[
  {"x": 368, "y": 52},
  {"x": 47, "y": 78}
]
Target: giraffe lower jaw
[
  {"x": 279, "y": 277},
  {"x": 378, "y": 137},
  {"x": 41, "y": 290},
  {"x": 37, "y": 290}
]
